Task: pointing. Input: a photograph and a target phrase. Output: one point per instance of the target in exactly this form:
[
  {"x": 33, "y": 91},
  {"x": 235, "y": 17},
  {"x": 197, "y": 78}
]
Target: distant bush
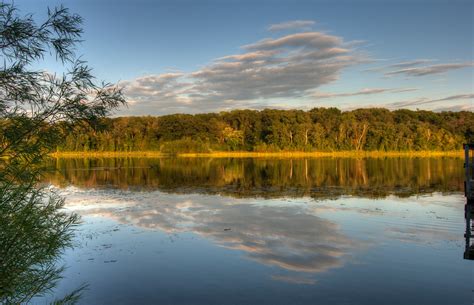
[{"x": 185, "y": 145}]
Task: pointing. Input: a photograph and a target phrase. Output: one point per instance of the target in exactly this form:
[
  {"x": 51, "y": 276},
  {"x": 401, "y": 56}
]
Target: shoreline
[{"x": 251, "y": 154}]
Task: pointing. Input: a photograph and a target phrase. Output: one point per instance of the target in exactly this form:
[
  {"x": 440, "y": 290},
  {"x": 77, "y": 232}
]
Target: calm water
[{"x": 257, "y": 231}]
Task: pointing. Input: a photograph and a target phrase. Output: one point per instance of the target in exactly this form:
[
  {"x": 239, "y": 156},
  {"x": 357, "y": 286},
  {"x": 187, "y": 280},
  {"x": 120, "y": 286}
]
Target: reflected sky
[
  {"x": 211, "y": 249},
  {"x": 286, "y": 235}
]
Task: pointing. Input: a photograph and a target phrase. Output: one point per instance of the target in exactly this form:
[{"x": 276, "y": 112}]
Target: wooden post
[{"x": 468, "y": 166}]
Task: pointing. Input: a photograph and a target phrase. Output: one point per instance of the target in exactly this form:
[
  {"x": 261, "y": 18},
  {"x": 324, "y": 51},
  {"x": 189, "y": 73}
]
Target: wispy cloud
[
  {"x": 365, "y": 91},
  {"x": 425, "y": 101},
  {"x": 455, "y": 108},
  {"x": 429, "y": 70},
  {"x": 292, "y": 25},
  {"x": 456, "y": 97},
  {"x": 399, "y": 65},
  {"x": 307, "y": 40},
  {"x": 408, "y": 64},
  {"x": 419, "y": 67}
]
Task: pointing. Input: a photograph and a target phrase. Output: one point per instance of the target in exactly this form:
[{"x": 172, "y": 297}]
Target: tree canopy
[{"x": 319, "y": 129}]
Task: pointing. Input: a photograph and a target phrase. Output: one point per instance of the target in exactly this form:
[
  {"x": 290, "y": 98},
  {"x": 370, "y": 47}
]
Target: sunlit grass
[{"x": 251, "y": 154}]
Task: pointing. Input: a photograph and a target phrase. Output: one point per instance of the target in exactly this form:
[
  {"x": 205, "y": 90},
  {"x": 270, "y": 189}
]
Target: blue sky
[{"x": 201, "y": 56}]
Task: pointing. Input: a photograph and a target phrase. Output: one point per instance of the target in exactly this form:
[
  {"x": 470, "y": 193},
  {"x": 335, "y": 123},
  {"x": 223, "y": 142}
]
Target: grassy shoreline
[{"x": 249, "y": 154}]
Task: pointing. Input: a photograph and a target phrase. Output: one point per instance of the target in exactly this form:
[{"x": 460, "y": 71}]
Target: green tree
[
  {"x": 322, "y": 129},
  {"x": 34, "y": 229}
]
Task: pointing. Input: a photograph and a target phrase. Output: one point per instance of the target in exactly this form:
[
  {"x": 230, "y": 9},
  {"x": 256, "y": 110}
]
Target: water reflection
[
  {"x": 291, "y": 237},
  {"x": 318, "y": 178},
  {"x": 34, "y": 233},
  {"x": 198, "y": 230},
  {"x": 469, "y": 249},
  {"x": 214, "y": 249}
]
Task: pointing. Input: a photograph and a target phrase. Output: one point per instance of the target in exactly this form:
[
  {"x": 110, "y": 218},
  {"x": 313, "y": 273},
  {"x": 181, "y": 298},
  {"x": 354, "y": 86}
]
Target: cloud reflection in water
[{"x": 287, "y": 235}]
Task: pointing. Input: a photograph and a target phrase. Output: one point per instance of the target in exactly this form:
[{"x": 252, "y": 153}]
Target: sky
[{"x": 208, "y": 56}]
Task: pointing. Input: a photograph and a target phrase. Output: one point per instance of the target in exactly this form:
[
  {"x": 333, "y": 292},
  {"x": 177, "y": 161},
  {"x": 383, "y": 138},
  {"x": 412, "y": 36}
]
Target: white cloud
[
  {"x": 153, "y": 94},
  {"x": 284, "y": 72},
  {"x": 316, "y": 40},
  {"x": 287, "y": 67},
  {"x": 292, "y": 25}
]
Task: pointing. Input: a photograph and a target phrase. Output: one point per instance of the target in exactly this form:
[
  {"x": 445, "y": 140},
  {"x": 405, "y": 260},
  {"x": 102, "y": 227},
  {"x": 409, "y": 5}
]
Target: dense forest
[{"x": 319, "y": 129}]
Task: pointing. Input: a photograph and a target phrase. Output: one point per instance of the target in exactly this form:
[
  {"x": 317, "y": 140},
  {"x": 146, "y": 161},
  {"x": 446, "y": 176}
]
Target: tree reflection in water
[
  {"x": 34, "y": 232},
  {"x": 269, "y": 178}
]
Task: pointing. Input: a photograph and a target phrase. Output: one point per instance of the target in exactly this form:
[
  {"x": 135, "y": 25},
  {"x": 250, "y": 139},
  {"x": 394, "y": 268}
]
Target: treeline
[{"x": 319, "y": 129}]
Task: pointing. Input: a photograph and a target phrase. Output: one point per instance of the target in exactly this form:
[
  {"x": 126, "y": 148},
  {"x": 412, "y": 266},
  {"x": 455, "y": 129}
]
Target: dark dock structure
[{"x": 469, "y": 193}]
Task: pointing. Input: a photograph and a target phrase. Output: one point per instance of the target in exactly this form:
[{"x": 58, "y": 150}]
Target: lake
[{"x": 266, "y": 231}]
